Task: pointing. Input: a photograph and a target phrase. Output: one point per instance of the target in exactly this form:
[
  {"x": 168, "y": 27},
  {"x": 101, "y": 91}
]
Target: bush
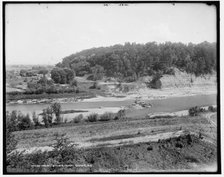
[
  {"x": 155, "y": 83},
  {"x": 194, "y": 111},
  {"x": 61, "y": 142},
  {"x": 95, "y": 86},
  {"x": 212, "y": 109},
  {"x": 106, "y": 116},
  {"x": 17, "y": 121},
  {"x": 93, "y": 117},
  {"x": 169, "y": 71},
  {"x": 120, "y": 114},
  {"x": 77, "y": 119},
  {"x": 74, "y": 83},
  {"x": 24, "y": 122}
]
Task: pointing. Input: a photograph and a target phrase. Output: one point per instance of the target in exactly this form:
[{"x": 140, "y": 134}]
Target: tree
[
  {"x": 35, "y": 119},
  {"x": 69, "y": 75},
  {"x": 43, "y": 71},
  {"x": 62, "y": 75},
  {"x": 56, "y": 109},
  {"x": 24, "y": 122},
  {"x": 45, "y": 82},
  {"x": 81, "y": 67},
  {"x": 12, "y": 120},
  {"x": 22, "y": 73},
  {"x": 98, "y": 72},
  {"x": 56, "y": 75},
  {"x": 47, "y": 117},
  {"x": 125, "y": 60}
]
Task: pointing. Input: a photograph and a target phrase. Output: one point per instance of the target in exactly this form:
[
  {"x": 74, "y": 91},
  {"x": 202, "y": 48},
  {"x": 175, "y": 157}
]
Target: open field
[{"x": 91, "y": 134}]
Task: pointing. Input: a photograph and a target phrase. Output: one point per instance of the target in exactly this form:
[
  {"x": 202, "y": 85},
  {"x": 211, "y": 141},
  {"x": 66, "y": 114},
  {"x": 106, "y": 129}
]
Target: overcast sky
[{"x": 44, "y": 34}]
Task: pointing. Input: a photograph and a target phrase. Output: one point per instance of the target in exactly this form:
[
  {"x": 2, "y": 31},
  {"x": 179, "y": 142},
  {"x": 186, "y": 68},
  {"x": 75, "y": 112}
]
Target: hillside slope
[{"x": 180, "y": 84}]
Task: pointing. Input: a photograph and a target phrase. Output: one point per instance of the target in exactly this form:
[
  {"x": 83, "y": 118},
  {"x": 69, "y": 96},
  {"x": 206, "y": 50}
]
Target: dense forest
[{"x": 131, "y": 61}]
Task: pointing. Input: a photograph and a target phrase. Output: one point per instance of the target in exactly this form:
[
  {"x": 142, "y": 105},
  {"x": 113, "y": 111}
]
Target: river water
[{"x": 158, "y": 105}]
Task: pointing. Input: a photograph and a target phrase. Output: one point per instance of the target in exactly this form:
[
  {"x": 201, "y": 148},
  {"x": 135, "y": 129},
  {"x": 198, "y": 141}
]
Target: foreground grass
[{"x": 186, "y": 152}]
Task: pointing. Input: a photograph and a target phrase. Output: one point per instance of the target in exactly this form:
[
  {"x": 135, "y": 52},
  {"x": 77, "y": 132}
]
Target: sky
[{"x": 46, "y": 33}]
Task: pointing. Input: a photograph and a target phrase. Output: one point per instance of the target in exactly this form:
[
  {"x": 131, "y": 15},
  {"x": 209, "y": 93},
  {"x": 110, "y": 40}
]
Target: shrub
[
  {"x": 95, "y": 85},
  {"x": 93, "y": 117},
  {"x": 120, "y": 114},
  {"x": 74, "y": 83},
  {"x": 125, "y": 88},
  {"x": 24, "y": 122},
  {"x": 155, "y": 83},
  {"x": 78, "y": 118},
  {"x": 169, "y": 71},
  {"x": 17, "y": 121},
  {"x": 194, "y": 111},
  {"x": 106, "y": 116},
  {"x": 61, "y": 142},
  {"x": 63, "y": 150},
  {"x": 212, "y": 109}
]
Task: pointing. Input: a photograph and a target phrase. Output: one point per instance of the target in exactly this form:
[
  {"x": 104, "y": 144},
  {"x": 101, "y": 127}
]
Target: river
[{"x": 158, "y": 105}]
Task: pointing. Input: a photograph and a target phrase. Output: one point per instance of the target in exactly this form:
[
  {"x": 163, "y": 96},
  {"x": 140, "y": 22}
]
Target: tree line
[
  {"x": 16, "y": 121},
  {"x": 131, "y": 61}
]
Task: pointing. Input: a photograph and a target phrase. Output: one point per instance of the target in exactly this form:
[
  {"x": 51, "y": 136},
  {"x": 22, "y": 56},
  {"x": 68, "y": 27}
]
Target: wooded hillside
[{"x": 131, "y": 60}]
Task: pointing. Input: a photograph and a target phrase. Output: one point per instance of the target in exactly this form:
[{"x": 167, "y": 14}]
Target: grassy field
[{"x": 85, "y": 134}]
